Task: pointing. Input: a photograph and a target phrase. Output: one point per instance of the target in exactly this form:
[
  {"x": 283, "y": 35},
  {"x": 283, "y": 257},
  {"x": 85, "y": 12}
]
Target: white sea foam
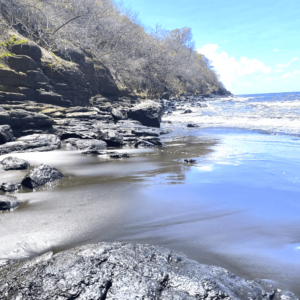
[{"x": 273, "y": 115}]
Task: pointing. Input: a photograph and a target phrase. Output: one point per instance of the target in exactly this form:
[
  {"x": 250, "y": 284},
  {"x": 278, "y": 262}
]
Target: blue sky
[{"x": 254, "y": 44}]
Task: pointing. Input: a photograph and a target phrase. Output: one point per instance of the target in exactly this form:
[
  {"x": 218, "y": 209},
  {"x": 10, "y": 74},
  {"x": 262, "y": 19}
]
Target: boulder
[
  {"x": 165, "y": 96},
  {"x": 112, "y": 137},
  {"x": 189, "y": 160},
  {"x": 40, "y": 176},
  {"x": 10, "y": 187},
  {"x": 14, "y": 163},
  {"x": 86, "y": 145},
  {"x": 125, "y": 271},
  {"x": 7, "y": 204},
  {"x": 192, "y": 125},
  {"x": 187, "y": 111},
  {"x": 117, "y": 155},
  {"x": 6, "y": 134},
  {"x": 149, "y": 113},
  {"x": 117, "y": 115}
]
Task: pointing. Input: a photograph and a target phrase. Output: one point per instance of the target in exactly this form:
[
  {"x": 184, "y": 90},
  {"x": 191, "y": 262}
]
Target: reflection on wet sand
[{"x": 230, "y": 208}]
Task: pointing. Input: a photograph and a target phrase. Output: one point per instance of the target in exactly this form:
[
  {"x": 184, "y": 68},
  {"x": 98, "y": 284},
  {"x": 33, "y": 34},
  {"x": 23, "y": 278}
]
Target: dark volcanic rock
[
  {"x": 86, "y": 145},
  {"x": 7, "y": 204},
  {"x": 143, "y": 144},
  {"x": 111, "y": 137},
  {"x": 14, "y": 163},
  {"x": 120, "y": 271},
  {"x": 165, "y": 96},
  {"x": 189, "y": 160},
  {"x": 117, "y": 114},
  {"x": 30, "y": 143},
  {"x": 187, "y": 111},
  {"x": 149, "y": 113},
  {"x": 10, "y": 187},
  {"x": 40, "y": 176},
  {"x": 192, "y": 125},
  {"x": 6, "y": 134},
  {"x": 118, "y": 155}
]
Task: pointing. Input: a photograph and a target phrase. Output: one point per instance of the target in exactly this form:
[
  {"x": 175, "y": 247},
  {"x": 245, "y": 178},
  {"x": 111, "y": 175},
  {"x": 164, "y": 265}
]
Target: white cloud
[
  {"x": 279, "y": 71},
  {"x": 275, "y": 50},
  {"x": 295, "y": 58},
  {"x": 286, "y": 75},
  {"x": 296, "y": 72},
  {"x": 283, "y": 65},
  {"x": 229, "y": 68}
]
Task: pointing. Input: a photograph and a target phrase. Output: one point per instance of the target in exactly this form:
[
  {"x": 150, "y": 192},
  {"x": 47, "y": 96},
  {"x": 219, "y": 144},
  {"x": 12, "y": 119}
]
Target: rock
[
  {"x": 14, "y": 163},
  {"x": 21, "y": 63},
  {"x": 6, "y": 134},
  {"x": 165, "y": 96},
  {"x": 30, "y": 143},
  {"x": 10, "y": 187},
  {"x": 117, "y": 115},
  {"x": 86, "y": 145},
  {"x": 112, "y": 137},
  {"x": 29, "y": 49},
  {"x": 40, "y": 176},
  {"x": 118, "y": 155},
  {"x": 23, "y": 119},
  {"x": 143, "y": 144},
  {"x": 192, "y": 125},
  {"x": 187, "y": 111},
  {"x": 189, "y": 160},
  {"x": 149, "y": 113},
  {"x": 123, "y": 271},
  {"x": 7, "y": 204}
]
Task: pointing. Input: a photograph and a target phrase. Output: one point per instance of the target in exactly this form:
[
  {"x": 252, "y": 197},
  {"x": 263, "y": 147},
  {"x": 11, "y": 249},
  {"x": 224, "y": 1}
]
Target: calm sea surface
[{"x": 238, "y": 206}]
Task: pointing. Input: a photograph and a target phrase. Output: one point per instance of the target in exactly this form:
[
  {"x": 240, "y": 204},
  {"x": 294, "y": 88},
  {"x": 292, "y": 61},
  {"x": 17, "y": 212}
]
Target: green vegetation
[
  {"x": 6, "y": 54},
  {"x": 1, "y": 66},
  {"x": 140, "y": 59}
]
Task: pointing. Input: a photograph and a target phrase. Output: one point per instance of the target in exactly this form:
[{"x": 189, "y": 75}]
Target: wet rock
[
  {"x": 149, "y": 113},
  {"x": 87, "y": 145},
  {"x": 143, "y": 144},
  {"x": 14, "y": 163},
  {"x": 7, "y": 204},
  {"x": 40, "y": 176},
  {"x": 187, "y": 111},
  {"x": 6, "y": 134},
  {"x": 192, "y": 125},
  {"x": 165, "y": 96},
  {"x": 123, "y": 271},
  {"x": 30, "y": 143},
  {"x": 117, "y": 155},
  {"x": 189, "y": 160},
  {"x": 117, "y": 114},
  {"x": 111, "y": 137},
  {"x": 10, "y": 187}
]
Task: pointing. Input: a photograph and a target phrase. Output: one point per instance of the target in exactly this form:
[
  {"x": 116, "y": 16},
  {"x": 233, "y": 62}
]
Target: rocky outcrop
[
  {"x": 6, "y": 134},
  {"x": 149, "y": 113},
  {"x": 30, "y": 143},
  {"x": 14, "y": 163},
  {"x": 40, "y": 176},
  {"x": 124, "y": 271},
  {"x": 64, "y": 78}
]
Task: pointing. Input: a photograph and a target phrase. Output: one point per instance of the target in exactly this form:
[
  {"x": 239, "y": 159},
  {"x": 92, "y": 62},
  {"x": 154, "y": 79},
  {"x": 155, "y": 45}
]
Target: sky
[{"x": 254, "y": 45}]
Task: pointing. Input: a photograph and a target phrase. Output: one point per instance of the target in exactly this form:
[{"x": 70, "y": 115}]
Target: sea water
[{"x": 237, "y": 206}]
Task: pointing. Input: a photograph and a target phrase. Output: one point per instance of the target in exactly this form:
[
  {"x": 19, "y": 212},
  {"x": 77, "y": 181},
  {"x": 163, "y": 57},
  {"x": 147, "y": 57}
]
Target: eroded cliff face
[{"x": 30, "y": 72}]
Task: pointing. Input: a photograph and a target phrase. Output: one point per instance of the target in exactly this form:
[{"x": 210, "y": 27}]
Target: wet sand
[{"x": 237, "y": 207}]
